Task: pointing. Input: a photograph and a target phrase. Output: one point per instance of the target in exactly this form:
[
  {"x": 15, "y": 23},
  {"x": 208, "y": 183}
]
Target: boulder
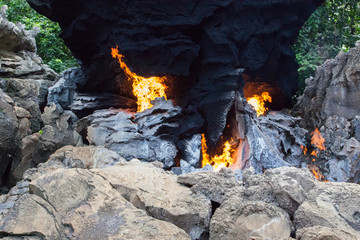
[
  {"x": 320, "y": 233},
  {"x": 158, "y": 193},
  {"x": 332, "y": 205},
  {"x": 79, "y": 204},
  {"x": 239, "y": 219}
]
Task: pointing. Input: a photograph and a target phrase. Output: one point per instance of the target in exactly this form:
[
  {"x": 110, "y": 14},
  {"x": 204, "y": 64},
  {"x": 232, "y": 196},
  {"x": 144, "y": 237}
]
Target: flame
[
  {"x": 318, "y": 142},
  {"x": 145, "y": 89},
  {"x": 218, "y": 161},
  {"x": 258, "y": 102}
]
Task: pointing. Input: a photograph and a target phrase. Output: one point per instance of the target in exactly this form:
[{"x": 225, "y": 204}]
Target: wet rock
[
  {"x": 318, "y": 233},
  {"x": 158, "y": 193},
  {"x": 238, "y": 219},
  {"x": 332, "y": 205}
]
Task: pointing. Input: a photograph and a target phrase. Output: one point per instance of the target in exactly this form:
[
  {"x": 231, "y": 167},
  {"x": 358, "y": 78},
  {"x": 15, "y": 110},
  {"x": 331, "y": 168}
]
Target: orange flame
[
  {"x": 318, "y": 140},
  {"x": 258, "y": 102},
  {"x": 145, "y": 89},
  {"x": 218, "y": 161}
]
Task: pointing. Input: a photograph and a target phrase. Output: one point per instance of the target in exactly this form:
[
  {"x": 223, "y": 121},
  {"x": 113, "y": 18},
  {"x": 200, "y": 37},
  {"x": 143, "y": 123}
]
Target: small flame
[
  {"x": 218, "y": 161},
  {"x": 145, "y": 89},
  {"x": 318, "y": 140},
  {"x": 258, "y": 102}
]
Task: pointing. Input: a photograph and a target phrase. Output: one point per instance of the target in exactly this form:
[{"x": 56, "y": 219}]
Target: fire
[
  {"x": 318, "y": 142},
  {"x": 218, "y": 161},
  {"x": 145, "y": 89},
  {"x": 258, "y": 102}
]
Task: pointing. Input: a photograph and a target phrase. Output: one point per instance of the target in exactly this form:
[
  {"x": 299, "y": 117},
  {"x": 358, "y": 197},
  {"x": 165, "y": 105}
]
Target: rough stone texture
[
  {"x": 236, "y": 219},
  {"x": 333, "y": 90},
  {"x": 203, "y": 44},
  {"x": 64, "y": 203},
  {"x": 322, "y": 233},
  {"x": 334, "y": 205},
  {"x": 57, "y": 132},
  {"x": 214, "y": 185},
  {"x": 18, "y": 52},
  {"x": 157, "y": 192},
  {"x": 150, "y": 135},
  {"x": 330, "y": 103}
]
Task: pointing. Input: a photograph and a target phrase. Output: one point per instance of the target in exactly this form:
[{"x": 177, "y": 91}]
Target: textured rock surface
[
  {"x": 320, "y": 233},
  {"x": 236, "y": 219},
  {"x": 18, "y": 52},
  {"x": 334, "y": 205},
  {"x": 150, "y": 135},
  {"x": 333, "y": 90},
  {"x": 57, "y": 132},
  {"x": 330, "y": 103},
  {"x": 203, "y": 44},
  {"x": 90, "y": 200},
  {"x": 157, "y": 192}
]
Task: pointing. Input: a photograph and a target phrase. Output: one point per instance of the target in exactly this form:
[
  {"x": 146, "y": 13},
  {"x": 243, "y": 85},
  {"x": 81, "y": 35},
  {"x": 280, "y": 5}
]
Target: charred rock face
[{"x": 204, "y": 44}]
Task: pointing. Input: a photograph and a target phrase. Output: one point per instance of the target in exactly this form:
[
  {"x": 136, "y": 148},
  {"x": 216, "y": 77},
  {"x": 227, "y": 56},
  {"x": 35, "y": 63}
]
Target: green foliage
[
  {"x": 41, "y": 132},
  {"x": 51, "y": 47},
  {"x": 333, "y": 27}
]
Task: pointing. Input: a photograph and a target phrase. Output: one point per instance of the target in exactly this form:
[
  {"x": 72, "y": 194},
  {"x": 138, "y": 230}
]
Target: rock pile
[{"x": 68, "y": 197}]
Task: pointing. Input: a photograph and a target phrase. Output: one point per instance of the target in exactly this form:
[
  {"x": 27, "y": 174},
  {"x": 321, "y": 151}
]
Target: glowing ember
[
  {"x": 258, "y": 102},
  {"x": 218, "y": 161},
  {"x": 145, "y": 89},
  {"x": 318, "y": 142}
]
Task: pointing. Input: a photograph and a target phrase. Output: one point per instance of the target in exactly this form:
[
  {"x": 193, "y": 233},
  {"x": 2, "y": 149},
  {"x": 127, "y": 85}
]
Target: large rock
[
  {"x": 78, "y": 204},
  {"x": 202, "y": 45},
  {"x": 36, "y": 148},
  {"x": 236, "y": 219},
  {"x": 18, "y": 52},
  {"x": 332, "y": 205},
  {"x": 332, "y": 91},
  {"x": 320, "y": 233},
  {"x": 157, "y": 192},
  {"x": 150, "y": 135}
]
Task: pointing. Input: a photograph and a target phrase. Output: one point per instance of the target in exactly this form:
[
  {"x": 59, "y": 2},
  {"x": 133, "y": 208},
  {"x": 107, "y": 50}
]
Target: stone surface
[
  {"x": 204, "y": 46},
  {"x": 36, "y": 148},
  {"x": 18, "y": 52},
  {"x": 321, "y": 233},
  {"x": 236, "y": 219},
  {"x": 150, "y": 135},
  {"x": 157, "y": 192},
  {"x": 63, "y": 204},
  {"x": 334, "y": 205}
]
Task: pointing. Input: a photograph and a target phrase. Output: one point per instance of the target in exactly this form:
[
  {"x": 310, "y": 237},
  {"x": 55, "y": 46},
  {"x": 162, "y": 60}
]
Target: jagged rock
[
  {"x": 191, "y": 150},
  {"x": 150, "y": 135},
  {"x": 320, "y": 233},
  {"x": 239, "y": 219},
  {"x": 332, "y": 91},
  {"x": 332, "y": 205},
  {"x": 214, "y": 185},
  {"x": 204, "y": 45},
  {"x": 36, "y": 148},
  {"x": 157, "y": 192},
  {"x": 18, "y": 57},
  {"x": 93, "y": 209}
]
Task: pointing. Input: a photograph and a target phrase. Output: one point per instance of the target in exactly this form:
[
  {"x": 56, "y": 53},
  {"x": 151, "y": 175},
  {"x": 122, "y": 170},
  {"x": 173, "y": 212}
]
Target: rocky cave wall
[{"x": 203, "y": 44}]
